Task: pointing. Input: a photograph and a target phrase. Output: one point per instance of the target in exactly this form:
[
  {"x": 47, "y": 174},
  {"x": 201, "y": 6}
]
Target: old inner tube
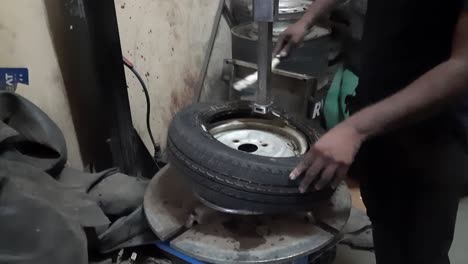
[
  {"x": 239, "y": 161},
  {"x": 35, "y": 138}
]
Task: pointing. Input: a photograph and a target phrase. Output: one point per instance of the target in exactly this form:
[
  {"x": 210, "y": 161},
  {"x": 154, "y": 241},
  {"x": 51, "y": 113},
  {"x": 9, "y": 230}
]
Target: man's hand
[
  {"x": 329, "y": 159},
  {"x": 294, "y": 34},
  {"x": 290, "y": 38}
]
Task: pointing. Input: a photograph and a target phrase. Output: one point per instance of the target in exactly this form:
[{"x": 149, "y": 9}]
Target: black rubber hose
[{"x": 157, "y": 148}]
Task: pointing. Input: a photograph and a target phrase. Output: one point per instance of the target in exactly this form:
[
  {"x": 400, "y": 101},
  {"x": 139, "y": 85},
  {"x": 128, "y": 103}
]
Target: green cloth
[{"x": 343, "y": 86}]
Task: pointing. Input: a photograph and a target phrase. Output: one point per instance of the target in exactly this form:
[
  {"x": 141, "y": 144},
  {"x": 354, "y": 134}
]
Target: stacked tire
[{"x": 231, "y": 180}]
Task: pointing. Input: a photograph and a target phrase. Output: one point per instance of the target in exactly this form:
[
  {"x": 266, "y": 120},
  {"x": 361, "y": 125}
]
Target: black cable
[{"x": 157, "y": 148}]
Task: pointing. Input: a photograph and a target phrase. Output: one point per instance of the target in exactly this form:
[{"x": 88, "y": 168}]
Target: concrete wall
[
  {"x": 167, "y": 40},
  {"x": 26, "y": 42}
]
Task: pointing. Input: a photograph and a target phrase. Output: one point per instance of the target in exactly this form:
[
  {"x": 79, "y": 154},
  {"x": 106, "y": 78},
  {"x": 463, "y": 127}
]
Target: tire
[{"x": 231, "y": 179}]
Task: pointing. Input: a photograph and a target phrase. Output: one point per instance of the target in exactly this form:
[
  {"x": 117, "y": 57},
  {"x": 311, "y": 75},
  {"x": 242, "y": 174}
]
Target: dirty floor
[{"x": 458, "y": 253}]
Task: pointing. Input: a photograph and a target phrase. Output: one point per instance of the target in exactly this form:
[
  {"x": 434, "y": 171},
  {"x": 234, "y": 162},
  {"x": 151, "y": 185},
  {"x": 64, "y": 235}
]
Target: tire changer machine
[{"x": 195, "y": 233}]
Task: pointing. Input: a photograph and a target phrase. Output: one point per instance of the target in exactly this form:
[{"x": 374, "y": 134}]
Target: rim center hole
[{"x": 249, "y": 148}]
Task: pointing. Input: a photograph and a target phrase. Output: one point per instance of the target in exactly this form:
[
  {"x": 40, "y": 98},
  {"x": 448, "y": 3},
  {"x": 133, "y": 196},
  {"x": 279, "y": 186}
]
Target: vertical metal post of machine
[{"x": 264, "y": 13}]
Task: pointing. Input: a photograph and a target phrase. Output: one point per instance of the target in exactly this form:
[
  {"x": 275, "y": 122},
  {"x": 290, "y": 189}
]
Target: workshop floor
[{"x": 458, "y": 254}]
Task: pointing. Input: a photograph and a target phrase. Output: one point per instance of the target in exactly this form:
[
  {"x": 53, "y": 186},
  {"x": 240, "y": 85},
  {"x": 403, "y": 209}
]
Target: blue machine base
[{"x": 164, "y": 246}]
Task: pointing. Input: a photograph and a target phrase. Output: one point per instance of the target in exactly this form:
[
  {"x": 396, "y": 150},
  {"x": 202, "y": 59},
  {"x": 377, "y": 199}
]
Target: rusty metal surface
[
  {"x": 252, "y": 239},
  {"x": 226, "y": 239},
  {"x": 168, "y": 203},
  {"x": 217, "y": 237}
]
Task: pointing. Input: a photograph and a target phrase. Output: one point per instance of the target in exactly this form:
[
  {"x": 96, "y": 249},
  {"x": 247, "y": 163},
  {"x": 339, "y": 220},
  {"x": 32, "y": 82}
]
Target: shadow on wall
[{"x": 69, "y": 31}]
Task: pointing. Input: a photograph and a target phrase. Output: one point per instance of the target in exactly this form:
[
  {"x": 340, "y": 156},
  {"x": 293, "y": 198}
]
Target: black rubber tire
[{"x": 232, "y": 179}]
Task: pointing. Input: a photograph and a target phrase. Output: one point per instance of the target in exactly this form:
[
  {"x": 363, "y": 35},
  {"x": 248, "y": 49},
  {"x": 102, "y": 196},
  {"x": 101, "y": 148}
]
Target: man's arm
[
  {"x": 427, "y": 95},
  {"x": 432, "y": 92},
  {"x": 295, "y": 33}
]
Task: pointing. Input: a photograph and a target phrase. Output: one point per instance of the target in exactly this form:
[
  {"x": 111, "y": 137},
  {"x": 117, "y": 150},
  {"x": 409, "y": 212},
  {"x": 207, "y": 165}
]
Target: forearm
[
  {"x": 316, "y": 10},
  {"x": 426, "y": 96}
]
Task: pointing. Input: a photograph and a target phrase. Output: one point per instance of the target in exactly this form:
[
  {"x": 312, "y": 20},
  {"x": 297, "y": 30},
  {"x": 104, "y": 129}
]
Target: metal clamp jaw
[{"x": 261, "y": 109}]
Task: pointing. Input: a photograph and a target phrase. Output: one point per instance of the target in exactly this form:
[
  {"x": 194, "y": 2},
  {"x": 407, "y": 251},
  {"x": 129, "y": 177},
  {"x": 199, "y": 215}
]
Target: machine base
[{"x": 211, "y": 236}]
